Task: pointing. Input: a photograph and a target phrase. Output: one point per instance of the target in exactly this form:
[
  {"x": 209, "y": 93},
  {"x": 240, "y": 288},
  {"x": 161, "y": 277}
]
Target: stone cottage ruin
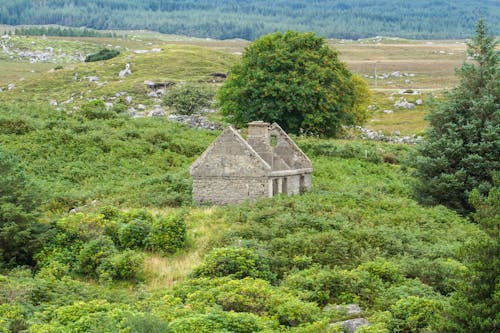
[{"x": 233, "y": 169}]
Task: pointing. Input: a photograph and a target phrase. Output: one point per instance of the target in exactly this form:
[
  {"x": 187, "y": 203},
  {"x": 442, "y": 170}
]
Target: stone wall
[{"x": 224, "y": 190}]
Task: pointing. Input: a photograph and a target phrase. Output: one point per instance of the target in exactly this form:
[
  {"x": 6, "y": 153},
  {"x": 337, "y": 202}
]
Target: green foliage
[
  {"x": 21, "y": 235},
  {"x": 17, "y": 126},
  {"x": 168, "y": 234},
  {"x": 93, "y": 254},
  {"x": 295, "y": 80},
  {"x": 12, "y": 318},
  {"x": 126, "y": 265},
  {"x": 325, "y": 286},
  {"x": 414, "y": 315},
  {"x": 102, "y": 245},
  {"x": 96, "y": 109},
  {"x": 218, "y": 321},
  {"x": 134, "y": 229},
  {"x": 476, "y": 304},
  {"x": 461, "y": 150},
  {"x": 189, "y": 99},
  {"x": 103, "y": 54},
  {"x": 234, "y": 262},
  {"x": 119, "y": 161}
]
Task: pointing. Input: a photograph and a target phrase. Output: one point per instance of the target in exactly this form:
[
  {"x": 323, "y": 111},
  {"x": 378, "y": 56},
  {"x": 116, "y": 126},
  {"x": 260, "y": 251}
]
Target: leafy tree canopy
[
  {"x": 296, "y": 80},
  {"x": 461, "y": 151}
]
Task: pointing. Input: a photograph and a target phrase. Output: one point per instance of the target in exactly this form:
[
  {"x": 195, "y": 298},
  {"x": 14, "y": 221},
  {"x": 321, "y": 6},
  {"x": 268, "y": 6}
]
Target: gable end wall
[{"x": 224, "y": 190}]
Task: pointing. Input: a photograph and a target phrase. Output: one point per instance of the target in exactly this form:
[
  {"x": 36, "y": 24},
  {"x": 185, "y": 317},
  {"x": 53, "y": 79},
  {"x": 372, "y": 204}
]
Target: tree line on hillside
[
  {"x": 62, "y": 32},
  {"x": 350, "y": 19}
]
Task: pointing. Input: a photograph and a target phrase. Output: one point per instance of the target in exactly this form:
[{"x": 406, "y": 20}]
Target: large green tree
[
  {"x": 463, "y": 142},
  {"x": 296, "y": 80}
]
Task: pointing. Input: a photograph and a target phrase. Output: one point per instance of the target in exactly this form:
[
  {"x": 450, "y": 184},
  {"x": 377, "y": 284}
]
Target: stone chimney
[{"x": 258, "y": 137}]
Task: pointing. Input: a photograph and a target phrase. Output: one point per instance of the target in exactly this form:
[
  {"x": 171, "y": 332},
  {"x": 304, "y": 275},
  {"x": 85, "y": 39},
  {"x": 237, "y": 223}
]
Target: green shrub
[
  {"x": 126, "y": 265},
  {"x": 323, "y": 286},
  {"x": 96, "y": 109},
  {"x": 12, "y": 318},
  {"x": 18, "y": 126},
  {"x": 82, "y": 226},
  {"x": 134, "y": 233},
  {"x": 387, "y": 271},
  {"x": 291, "y": 311},
  {"x": 414, "y": 314},
  {"x": 168, "y": 234},
  {"x": 444, "y": 275},
  {"x": 94, "y": 253},
  {"x": 246, "y": 295},
  {"x": 235, "y": 262},
  {"x": 189, "y": 98},
  {"x": 103, "y": 54},
  {"x": 146, "y": 323},
  {"x": 218, "y": 321}
]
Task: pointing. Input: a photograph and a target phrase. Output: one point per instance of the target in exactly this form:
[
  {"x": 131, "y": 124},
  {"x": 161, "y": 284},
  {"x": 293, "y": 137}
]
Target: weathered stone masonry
[{"x": 232, "y": 170}]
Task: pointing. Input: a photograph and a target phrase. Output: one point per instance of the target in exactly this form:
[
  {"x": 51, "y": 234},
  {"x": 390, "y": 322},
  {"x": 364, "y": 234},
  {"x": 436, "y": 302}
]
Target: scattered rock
[
  {"x": 68, "y": 101},
  {"x": 407, "y": 81},
  {"x": 155, "y": 50},
  {"x": 396, "y": 74},
  {"x": 349, "y": 309},
  {"x": 53, "y": 102},
  {"x": 93, "y": 78},
  {"x": 419, "y": 102},
  {"x": 128, "y": 99},
  {"x": 11, "y": 86},
  {"x": 140, "y": 51},
  {"x": 126, "y": 72},
  {"x": 404, "y": 104},
  {"x": 141, "y": 107},
  {"x": 352, "y": 325},
  {"x": 157, "y": 111},
  {"x": 388, "y": 111},
  {"x": 195, "y": 121},
  {"x": 109, "y": 106},
  {"x": 368, "y": 134}
]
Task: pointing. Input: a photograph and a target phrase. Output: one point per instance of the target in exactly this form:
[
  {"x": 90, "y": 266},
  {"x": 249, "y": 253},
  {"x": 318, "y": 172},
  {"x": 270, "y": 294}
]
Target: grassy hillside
[
  {"x": 357, "y": 237},
  {"x": 125, "y": 250}
]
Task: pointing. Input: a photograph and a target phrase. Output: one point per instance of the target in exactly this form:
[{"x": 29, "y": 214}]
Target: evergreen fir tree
[{"x": 462, "y": 147}]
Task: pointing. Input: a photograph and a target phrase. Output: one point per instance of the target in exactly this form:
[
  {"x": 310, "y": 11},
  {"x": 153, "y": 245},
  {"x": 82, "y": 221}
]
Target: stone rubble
[
  {"x": 368, "y": 134},
  {"x": 195, "y": 121}
]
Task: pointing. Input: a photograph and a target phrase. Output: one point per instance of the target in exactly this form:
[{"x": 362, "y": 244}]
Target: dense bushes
[
  {"x": 103, "y": 54},
  {"x": 234, "y": 262},
  {"x": 104, "y": 246},
  {"x": 120, "y": 161}
]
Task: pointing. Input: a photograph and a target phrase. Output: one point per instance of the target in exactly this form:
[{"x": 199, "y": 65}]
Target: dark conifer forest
[{"x": 224, "y": 19}]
